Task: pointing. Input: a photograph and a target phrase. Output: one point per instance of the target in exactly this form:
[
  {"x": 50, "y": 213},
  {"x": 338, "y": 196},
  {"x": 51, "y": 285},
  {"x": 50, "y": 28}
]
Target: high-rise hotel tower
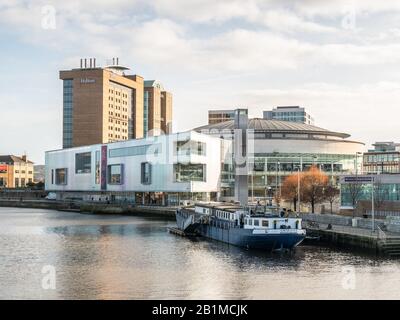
[{"x": 103, "y": 104}]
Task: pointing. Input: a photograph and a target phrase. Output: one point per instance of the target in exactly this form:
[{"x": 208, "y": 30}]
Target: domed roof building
[
  {"x": 278, "y": 148},
  {"x": 274, "y": 126}
]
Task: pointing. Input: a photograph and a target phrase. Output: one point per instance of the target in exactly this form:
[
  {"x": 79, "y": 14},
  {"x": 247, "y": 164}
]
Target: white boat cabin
[
  {"x": 236, "y": 214},
  {"x": 258, "y": 222}
]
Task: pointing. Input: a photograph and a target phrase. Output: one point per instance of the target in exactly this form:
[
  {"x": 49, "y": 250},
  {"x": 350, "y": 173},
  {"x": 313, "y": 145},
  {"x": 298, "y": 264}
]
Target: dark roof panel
[
  {"x": 274, "y": 126},
  {"x": 10, "y": 159}
]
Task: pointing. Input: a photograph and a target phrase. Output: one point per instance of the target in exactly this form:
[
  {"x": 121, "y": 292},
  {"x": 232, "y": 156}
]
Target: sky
[{"x": 338, "y": 59}]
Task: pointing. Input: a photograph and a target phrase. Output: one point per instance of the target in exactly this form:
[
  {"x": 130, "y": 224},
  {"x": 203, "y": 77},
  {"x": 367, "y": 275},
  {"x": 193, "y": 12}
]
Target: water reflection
[{"x": 120, "y": 257}]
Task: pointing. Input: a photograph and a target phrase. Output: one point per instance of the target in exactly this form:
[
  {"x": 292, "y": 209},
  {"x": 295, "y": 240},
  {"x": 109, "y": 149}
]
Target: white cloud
[
  {"x": 288, "y": 22},
  {"x": 201, "y": 11},
  {"x": 343, "y": 7}
]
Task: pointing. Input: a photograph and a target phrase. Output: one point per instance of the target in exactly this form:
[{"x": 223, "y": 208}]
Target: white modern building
[{"x": 155, "y": 170}]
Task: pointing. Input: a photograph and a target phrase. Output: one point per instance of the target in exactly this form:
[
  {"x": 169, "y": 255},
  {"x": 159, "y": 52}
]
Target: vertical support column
[{"x": 240, "y": 157}]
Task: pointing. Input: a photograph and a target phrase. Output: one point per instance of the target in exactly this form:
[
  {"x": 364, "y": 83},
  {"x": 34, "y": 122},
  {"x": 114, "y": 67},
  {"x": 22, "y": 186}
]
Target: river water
[{"x": 127, "y": 257}]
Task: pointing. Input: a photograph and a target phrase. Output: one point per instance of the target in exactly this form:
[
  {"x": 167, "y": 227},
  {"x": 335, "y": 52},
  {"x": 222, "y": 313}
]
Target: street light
[
  {"x": 280, "y": 182},
  {"x": 356, "y": 161},
  {"x": 373, "y": 205},
  {"x": 298, "y": 191}
]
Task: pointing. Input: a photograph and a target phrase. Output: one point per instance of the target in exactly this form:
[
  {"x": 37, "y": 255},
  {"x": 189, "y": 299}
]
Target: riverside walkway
[{"x": 349, "y": 237}]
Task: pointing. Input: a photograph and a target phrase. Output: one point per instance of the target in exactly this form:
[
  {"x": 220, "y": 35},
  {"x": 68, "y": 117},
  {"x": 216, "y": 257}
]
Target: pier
[
  {"x": 324, "y": 230},
  {"x": 94, "y": 208}
]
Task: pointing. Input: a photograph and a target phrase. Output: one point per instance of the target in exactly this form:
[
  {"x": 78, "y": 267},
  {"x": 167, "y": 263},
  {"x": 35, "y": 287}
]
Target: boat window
[
  {"x": 250, "y": 222},
  {"x": 256, "y": 222},
  {"x": 265, "y": 223}
]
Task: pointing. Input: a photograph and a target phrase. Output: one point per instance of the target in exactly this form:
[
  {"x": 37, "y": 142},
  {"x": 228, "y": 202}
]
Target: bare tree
[
  {"x": 354, "y": 190},
  {"x": 380, "y": 193},
  {"x": 331, "y": 193}
]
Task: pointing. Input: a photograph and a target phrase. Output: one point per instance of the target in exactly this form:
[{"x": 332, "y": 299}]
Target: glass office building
[
  {"x": 291, "y": 113},
  {"x": 384, "y": 158},
  {"x": 358, "y": 191}
]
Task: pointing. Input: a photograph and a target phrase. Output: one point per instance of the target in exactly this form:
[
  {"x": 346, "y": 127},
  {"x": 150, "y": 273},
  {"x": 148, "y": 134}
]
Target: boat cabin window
[
  {"x": 265, "y": 223},
  {"x": 256, "y": 222},
  {"x": 250, "y": 222}
]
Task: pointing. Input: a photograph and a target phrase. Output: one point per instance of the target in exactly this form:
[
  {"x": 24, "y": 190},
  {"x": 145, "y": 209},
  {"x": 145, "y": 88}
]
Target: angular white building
[{"x": 156, "y": 170}]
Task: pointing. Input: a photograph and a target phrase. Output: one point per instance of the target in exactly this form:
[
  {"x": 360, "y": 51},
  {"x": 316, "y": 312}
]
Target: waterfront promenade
[{"x": 378, "y": 241}]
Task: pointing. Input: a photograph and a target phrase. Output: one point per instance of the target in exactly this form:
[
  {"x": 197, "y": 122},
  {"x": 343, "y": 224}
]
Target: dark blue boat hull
[
  {"x": 245, "y": 238},
  {"x": 235, "y": 235}
]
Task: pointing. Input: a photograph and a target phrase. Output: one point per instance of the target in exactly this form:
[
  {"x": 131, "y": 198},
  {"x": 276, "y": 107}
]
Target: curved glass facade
[
  {"x": 383, "y": 192},
  {"x": 269, "y": 170}
]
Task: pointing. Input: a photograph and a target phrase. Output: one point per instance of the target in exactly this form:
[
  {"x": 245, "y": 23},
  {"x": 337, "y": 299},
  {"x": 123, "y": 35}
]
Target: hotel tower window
[
  {"x": 61, "y": 176},
  {"x": 189, "y": 172},
  {"x": 115, "y": 174},
  {"x": 67, "y": 112},
  {"x": 83, "y": 162}
]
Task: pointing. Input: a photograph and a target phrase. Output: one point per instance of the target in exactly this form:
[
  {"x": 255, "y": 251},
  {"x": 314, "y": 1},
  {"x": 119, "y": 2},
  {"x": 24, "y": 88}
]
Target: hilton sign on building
[{"x": 103, "y": 104}]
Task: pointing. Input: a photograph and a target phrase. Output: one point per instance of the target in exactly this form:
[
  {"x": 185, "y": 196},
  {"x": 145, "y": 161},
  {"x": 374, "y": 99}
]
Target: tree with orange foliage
[
  {"x": 313, "y": 184},
  {"x": 289, "y": 189}
]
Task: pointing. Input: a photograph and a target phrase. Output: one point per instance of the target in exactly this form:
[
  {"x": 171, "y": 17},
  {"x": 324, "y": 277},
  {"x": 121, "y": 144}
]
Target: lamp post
[
  {"x": 252, "y": 186},
  {"x": 356, "y": 161},
  {"x": 373, "y": 205},
  {"x": 280, "y": 184},
  {"x": 298, "y": 191}
]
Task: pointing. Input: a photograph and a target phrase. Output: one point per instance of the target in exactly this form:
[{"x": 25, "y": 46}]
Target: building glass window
[
  {"x": 67, "y": 112},
  {"x": 145, "y": 173},
  {"x": 148, "y": 149},
  {"x": 189, "y": 172},
  {"x": 115, "y": 174},
  {"x": 61, "y": 176},
  {"x": 189, "y": 147},
  {"x": 146, "y": 113},
  {"x": 16, "y": 182},
  {"x": 83, "y": 162}
]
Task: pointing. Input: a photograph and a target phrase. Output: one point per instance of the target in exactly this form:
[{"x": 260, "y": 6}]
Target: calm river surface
[{"x": 125, "y": 257}]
